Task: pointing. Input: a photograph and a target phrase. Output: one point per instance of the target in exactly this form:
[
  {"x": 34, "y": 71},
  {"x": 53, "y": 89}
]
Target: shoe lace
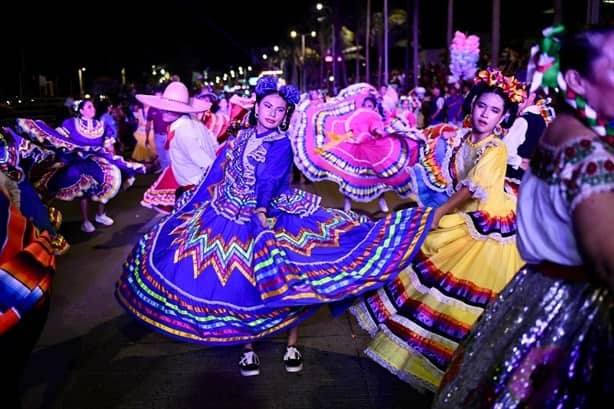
[
  {"x": 292, "y": 353},
  {"x": 249, "y": 358}
]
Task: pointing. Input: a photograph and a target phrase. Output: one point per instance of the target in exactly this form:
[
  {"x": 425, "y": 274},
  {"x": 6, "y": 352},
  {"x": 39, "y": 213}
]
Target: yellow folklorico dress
[
  {"x": 143, "y": 152},
  {"x": 418, "y": 319}
]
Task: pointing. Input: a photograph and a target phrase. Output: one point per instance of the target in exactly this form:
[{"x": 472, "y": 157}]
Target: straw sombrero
[{"x": 175, "y": 98}]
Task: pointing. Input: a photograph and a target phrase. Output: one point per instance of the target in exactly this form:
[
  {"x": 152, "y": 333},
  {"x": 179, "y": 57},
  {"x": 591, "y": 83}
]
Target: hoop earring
[{"x": 498, "y": 130}]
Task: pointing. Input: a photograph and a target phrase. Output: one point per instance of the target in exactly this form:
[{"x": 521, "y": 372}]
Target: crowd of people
[{"x": 493, "y": 288}]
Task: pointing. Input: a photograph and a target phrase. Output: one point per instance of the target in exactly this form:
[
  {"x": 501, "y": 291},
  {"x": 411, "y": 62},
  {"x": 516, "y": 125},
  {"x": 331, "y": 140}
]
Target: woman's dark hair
[
  {"x": 80, "y": 106},
  {"x": 370, "y": 98},
  {"x": 483, "y": 88},
  {"x": 579, "y": 51},
  {"x": 82, "y": 103},
  {"x": 289, "y": 109}
]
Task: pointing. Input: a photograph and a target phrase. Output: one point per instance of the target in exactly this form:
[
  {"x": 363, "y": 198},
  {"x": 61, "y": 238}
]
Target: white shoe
[
  {"x": 293, "y": 360},
  {"x": 87, "y": 227},
  {"x": 249, "y": 363},
  {"x": 104, "y": 219}
]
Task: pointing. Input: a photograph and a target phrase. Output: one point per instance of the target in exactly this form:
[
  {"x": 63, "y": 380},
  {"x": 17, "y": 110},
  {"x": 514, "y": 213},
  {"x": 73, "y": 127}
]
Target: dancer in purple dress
[
  {"x": 86, "y": 166},
  {"x": 244, "y": 256}
]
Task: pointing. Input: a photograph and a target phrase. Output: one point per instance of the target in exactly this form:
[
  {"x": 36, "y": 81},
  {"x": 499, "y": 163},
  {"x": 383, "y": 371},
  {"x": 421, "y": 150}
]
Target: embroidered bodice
[
  {"x": 558, "y": 180},
  {"x": 466, "y": 155},
  {"x": 236, "y": 197},
  {"x": 84, "y": 132}
]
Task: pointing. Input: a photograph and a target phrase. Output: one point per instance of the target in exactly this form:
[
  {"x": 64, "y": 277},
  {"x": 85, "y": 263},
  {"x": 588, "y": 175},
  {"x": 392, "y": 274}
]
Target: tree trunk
[
  {"x": 415, "y": 42},
  {"x": 357, "y": 44},
  {"x": 344, "y": 72},
  {"x": 334, "y": 62},
  {"x": 496, "y": 27},
  {"x": 323, "y": 54},
  {"x": 592, "y": 11},
  {"x": 386, "y": 42},
  {"x": 380, "y": 58},
  {"x": 408, "y": 34},
  {"x": 368, "y": 44},
  {"x": 558, "y": 11},
  {"x": 450, "y": 22}
]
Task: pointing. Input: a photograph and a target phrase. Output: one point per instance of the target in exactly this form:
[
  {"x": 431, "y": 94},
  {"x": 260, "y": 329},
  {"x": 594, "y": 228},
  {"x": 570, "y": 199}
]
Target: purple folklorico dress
[
  {"x": 84, "y": 166},
  {"x": 210, "y": 273}
]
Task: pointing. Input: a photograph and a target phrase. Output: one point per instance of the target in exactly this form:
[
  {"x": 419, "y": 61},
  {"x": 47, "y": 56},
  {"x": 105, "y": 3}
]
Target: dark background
[{"x": 190, "y": 36}]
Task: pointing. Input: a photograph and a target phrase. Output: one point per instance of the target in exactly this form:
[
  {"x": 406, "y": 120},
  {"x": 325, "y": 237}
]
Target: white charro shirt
[
  {"x": 192, "y": 150},
  {"x": 516, "y": 136}
]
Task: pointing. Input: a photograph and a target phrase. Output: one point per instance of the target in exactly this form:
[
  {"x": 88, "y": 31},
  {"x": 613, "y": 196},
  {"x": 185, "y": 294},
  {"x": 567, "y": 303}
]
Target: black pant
[{"x": 15, "y": 348}]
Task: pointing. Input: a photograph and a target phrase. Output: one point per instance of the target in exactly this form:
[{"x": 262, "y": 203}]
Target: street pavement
[{"x": 92, "y": 355}]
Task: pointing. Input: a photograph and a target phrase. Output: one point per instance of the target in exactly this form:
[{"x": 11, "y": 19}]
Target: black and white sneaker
[
  {"x": 249, "y": 363},
  {"x": 293, "y": 360}
]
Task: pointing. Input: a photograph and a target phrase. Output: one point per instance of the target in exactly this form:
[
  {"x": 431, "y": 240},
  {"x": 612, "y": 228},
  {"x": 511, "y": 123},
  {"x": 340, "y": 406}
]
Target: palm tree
[
  {"x": 415, "y": 42},
  {"x": 397, "y": 21},
  {"x": 450, "y": 22},
  {"x": 386, "y": 37},
  {"x": 592, "y": 11},
  {"x": 368, "y": 44},
  {"x": 558, "y": 11},
  {"x": 377, "y": 30},
  {"x": 496, "y": 26}
]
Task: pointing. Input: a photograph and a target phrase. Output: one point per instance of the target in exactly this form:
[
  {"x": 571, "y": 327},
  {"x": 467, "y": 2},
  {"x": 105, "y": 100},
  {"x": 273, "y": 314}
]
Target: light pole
[
  {"x": 80, "y": 74},
  {"x": 302, "y": 76},
  {"x": 321, "y": 8}
]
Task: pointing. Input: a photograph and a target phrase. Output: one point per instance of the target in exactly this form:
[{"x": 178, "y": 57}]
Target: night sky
[{"x": 201, "y": 34}]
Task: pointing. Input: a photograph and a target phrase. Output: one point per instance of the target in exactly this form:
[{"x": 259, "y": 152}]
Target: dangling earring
[{"x": 467, "y": 121}]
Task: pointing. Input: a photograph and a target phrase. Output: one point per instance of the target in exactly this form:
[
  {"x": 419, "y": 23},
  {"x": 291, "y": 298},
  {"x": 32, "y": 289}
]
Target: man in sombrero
[{"x": 191, "y": 146}]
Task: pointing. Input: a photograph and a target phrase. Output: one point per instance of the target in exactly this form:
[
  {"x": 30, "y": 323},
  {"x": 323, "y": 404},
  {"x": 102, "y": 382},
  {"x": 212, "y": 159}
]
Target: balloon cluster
[{"x": 464, "y": 55}]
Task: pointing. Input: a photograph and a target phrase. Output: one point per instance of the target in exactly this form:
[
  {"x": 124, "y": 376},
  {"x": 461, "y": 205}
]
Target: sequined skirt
[{"x": 543, "y": 343}]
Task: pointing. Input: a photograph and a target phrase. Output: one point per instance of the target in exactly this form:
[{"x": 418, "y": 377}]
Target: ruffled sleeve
[
  {"x": 514, "y": 138},
  {"x": 589, "y": 170},
  {"x": 488, "y": 172},
  {"x": 274, "y": 171}
]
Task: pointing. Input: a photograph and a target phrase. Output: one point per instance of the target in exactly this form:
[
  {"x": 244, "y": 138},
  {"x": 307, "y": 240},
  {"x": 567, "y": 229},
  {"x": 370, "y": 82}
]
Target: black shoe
[
  {"x": 293, "y": 360},
  {"x": 249, "y": 363}
]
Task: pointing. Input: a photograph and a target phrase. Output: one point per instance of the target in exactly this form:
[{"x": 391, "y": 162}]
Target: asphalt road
[{"x": 92, "y": 355}]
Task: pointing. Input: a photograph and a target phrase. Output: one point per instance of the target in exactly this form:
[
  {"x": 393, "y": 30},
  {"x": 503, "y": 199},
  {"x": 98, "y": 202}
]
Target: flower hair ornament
[
  {"x": 511, "y": 87},
  {"x": 269, "y": 84}
]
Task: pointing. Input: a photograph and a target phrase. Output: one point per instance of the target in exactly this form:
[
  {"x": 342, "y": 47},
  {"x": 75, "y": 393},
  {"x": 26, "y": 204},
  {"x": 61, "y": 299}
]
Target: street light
[{"x": 80, "y": 74}]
